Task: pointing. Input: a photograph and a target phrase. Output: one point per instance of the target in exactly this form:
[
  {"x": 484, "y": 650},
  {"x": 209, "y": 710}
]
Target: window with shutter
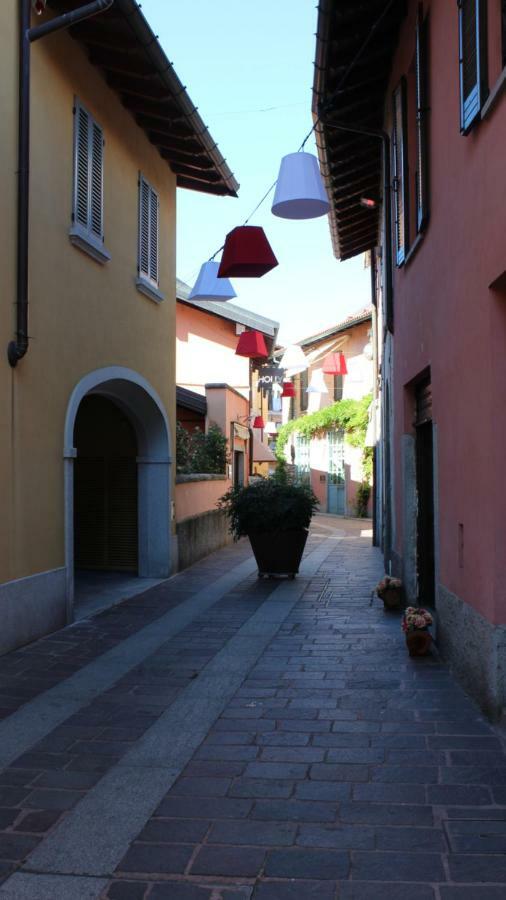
[
  {"x": 472, "y": 60},
  {"x": 87, "y": 230},
  {"x": 400, "y": 173},
  {"x": 422, "y": 173},
  {"x": 303, "y": 382},
  {"x": 148, "y": 231}
]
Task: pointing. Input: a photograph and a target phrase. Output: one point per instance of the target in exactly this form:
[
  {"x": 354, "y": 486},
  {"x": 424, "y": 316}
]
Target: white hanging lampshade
[
  {"x": 270, "y": 428},
  {"x": 293, "y": 360},
  {"x": 209, "y": 287},
  {"x": 317, "y": 384},
  {"x": 300, "y": 193}
]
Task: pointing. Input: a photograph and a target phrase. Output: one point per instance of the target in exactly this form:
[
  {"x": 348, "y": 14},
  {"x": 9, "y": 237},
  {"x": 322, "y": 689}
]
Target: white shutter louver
[
  {"x": 400, "y": 173},
  {"x": 153, "y": 236},
  {"x": 96, "y": 183},
  {"x": 144, "y": 228},
  {"x": 88, "y": 174},
  {"x": 81, "y": 167},
  {"x": 472, "y": 60},
  {"x": 148, "y": 231}
]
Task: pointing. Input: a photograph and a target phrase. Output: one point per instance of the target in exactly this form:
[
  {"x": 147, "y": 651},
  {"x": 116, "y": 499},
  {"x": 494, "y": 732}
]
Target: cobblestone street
[{"x": 222, "y": 737}]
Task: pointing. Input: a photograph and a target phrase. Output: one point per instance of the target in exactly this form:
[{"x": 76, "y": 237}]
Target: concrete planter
[{"x": 278, "y": 552}]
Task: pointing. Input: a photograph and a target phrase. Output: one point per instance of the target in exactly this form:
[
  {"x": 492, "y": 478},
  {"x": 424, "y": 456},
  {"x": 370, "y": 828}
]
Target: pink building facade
[
  {"x": 440, "y": 288},
  {"x": 331, "y": 465}
]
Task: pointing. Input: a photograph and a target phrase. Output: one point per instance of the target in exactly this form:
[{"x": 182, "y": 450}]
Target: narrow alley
[{"x": 221, "y": 737}]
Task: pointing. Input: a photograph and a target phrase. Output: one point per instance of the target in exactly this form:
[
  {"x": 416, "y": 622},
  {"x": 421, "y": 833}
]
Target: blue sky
[{"x": 248, "y": 67}]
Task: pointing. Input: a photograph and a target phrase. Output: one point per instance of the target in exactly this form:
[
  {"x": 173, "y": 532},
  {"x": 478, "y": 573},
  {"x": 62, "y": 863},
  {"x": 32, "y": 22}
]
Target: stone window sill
[
  {"x": 149, "y": 290},
  {"x": 88, "y": 244}
]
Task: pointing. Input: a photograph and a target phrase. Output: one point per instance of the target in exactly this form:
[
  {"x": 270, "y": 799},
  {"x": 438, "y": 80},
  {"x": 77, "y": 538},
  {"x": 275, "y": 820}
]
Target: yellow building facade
[{"x": 87, "y": 416}]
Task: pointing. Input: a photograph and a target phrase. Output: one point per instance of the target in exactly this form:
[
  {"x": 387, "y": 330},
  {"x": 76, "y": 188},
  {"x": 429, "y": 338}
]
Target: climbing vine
[{"x": 350, "y": 416}]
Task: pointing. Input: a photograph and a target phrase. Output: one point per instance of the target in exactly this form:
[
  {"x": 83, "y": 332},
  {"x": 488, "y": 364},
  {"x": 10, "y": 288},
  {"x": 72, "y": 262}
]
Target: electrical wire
[{"x": 324, "y": 108}]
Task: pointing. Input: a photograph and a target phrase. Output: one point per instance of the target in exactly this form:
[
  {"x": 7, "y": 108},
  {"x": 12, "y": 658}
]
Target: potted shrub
[
  {"x": 390, "y": 591},
  {"x": 415, "y": 625},
  {"x": 275, "y": 515}
]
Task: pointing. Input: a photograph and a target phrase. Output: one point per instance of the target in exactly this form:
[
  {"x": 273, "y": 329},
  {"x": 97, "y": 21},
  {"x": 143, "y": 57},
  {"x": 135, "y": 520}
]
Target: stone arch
[{"x": 141, "y": 404}]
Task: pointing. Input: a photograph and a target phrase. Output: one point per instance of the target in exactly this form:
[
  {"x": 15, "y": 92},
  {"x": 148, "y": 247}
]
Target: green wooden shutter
[
  {"x": 422, "y": 168},
  {"x": 472, "y": 61},
  {"x": 400, "y": 173}
]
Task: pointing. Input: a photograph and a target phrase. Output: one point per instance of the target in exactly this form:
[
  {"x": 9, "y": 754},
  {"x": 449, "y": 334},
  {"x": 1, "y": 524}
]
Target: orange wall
[
  {"x": 196, "y": 497},
  {"x": 205, "y": 351}
]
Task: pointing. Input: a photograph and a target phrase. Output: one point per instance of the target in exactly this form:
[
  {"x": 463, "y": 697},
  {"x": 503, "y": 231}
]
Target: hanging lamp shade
[
  {"x": 293, "y": 360},
  {"x": 317, "y": 384},
  {"x": 252, "y": 344},
  {"x": 209, "y": 287},
  {"x": 288, "y": 389},
  {"x": 335, "y": 364},
  {"x": 270, "y": 428},
  {"x": 246, "y": 254},
  {"x": 300, "y": 193},
  {"x": 258, "y": 422}
]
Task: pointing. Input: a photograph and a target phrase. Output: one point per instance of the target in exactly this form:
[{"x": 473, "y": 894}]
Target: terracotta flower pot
[
  {"x": 392, "y": 598},
  {"x": 418, "y": 642}
]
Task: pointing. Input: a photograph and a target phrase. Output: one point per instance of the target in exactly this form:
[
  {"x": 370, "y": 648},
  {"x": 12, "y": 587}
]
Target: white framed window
[
  {"x": 87, "y": 230},
  {"x": 148, "y": 263}
]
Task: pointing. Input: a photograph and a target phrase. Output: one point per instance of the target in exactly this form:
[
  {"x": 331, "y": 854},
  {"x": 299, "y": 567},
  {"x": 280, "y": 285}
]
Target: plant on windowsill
[
  {"x": 415, "y": 625},
  {"x": 275, "y": 515},
  {"x": 390, "y": 591}
]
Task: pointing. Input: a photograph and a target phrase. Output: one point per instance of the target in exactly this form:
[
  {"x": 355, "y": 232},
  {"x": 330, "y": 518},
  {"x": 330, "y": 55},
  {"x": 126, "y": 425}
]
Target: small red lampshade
[
  {"x": 246, "y": 254},
  {"x": 258, "y": 422},
  {"x": 288, "y": 389},
  {"x": 335, "y": 364},
  {"x": 252, "y": 344}
]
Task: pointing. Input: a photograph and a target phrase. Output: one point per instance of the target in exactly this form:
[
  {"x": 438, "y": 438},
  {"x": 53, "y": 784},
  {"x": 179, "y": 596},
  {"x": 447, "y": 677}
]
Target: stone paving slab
[{"x": 334, "y": 766}]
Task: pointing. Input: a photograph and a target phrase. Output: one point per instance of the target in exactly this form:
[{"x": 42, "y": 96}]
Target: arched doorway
[
  {"x": 105, "y": 488},
  {"x": 117, "y": 477}
]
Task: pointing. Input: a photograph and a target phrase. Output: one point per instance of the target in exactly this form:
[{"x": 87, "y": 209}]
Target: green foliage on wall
[
  {"x": 350, "y": 416},
  {"x": 199, "y": 453}
]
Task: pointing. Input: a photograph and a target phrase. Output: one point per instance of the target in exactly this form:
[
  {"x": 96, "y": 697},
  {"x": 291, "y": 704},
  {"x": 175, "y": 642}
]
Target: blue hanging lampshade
[
  {"x": 209, "y": 287},
  {"x": 300, "y": 193}
]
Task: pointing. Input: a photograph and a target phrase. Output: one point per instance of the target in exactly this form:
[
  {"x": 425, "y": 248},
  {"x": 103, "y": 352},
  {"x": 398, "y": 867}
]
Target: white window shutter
[
  {"x": 96, "y": 181},
  {"x": 153, "y": 236},
  {"x": 148, "y": 231},
  {"x": 81, "y": 167},
  {"x": 143, "y": 228}
]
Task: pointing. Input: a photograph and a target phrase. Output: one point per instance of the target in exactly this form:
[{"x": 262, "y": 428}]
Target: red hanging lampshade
[
  {"x": 258, "y": 422},
  {"x": 252, "y": 344},
  {"x": 246, "y": 254},
  {"x": 288, "y": 389},
  {"x": 335, "y": 364}
]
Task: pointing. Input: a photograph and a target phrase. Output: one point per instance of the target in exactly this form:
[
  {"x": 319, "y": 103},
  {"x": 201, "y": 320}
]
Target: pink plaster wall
[
  {"x": 205, "y": 351},
  {"x": 448, "y": 319},
  {"x": 196, "y": 497}
]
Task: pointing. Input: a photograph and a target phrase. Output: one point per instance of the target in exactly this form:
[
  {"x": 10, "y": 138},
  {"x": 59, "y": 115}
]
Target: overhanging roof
[
  {"x": 122, "y": 45},
  {"x": 363, "y": 315},
  {"x": 227, "y": 310},
  {"x": 191, "y": 400},
  {"x": 354, "y": 93}
]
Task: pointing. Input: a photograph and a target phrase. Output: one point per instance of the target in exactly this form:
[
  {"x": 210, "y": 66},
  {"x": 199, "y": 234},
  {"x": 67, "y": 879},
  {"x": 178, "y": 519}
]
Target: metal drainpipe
[{"x": 18, "y": 348}]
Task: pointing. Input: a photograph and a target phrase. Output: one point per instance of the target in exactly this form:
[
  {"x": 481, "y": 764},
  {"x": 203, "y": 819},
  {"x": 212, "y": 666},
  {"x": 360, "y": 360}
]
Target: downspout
[{"x": 18, "y": 348}]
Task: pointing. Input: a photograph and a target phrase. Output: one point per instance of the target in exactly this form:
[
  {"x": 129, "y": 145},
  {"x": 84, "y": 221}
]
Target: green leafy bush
[
  {"x": 362, "y": 499},
  {"x": 201, "y": 453},
  {"x": 269, "y": 506}
]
